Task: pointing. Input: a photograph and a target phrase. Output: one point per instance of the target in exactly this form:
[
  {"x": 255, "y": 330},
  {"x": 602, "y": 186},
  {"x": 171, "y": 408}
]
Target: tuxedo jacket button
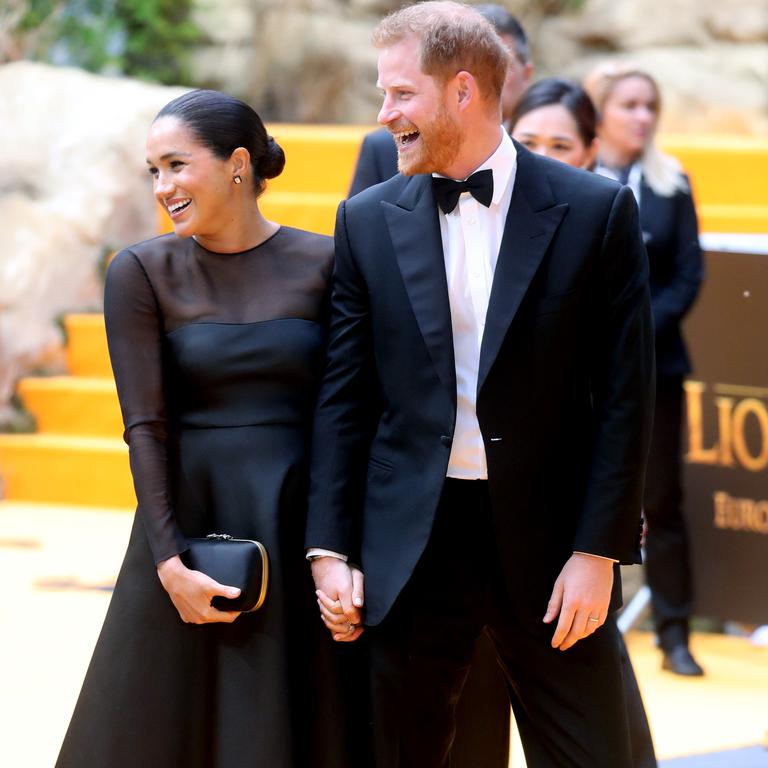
[{"x": 446, "y": 439}]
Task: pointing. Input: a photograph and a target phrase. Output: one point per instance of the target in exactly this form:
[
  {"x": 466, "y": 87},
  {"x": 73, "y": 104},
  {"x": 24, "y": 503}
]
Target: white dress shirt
[{"x": 471, "y": 235}]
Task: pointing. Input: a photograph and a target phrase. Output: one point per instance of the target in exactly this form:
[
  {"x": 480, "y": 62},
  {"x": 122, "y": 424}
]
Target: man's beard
[{"x": 439, "y": 141}]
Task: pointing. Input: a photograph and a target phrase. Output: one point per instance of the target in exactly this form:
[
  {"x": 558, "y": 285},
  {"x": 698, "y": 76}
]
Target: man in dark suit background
[
  {"x": 484, "y": 418},
  {"x": 377, "y": 161}
]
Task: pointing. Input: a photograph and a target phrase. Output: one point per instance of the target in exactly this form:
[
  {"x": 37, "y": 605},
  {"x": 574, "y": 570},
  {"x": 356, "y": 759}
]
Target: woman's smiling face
[{"x": 189, "y": 181}]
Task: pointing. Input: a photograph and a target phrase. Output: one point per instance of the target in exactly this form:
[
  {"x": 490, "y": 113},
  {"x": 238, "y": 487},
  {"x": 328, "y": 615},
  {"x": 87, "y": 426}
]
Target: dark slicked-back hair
[
  {"x": 222, "y": 124},
  {"x": 506, "y": 24},
  {"x": 453, "y": 37},
  {"x": 553, "y": 90}
]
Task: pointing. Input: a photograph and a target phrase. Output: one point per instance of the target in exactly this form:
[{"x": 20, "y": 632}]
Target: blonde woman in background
[{"x": 628, "y": 103}]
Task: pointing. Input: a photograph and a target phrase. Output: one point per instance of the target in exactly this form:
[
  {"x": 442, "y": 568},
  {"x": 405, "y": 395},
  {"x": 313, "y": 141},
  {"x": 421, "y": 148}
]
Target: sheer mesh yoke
[{"x": 200, "y": 339}]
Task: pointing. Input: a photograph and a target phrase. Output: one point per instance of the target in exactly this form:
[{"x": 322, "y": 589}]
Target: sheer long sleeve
[{"x": 134, "y": 335}]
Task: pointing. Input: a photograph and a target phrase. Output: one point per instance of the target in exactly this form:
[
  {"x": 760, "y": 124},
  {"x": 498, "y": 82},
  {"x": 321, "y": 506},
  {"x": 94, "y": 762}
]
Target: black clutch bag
[{"x": 239, "y": 563}]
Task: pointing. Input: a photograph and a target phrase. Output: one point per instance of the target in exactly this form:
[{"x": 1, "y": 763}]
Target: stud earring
[{"x": 237, "y": 180}]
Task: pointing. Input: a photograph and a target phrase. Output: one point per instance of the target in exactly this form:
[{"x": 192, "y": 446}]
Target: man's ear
[{"x": 466, "y": 89}]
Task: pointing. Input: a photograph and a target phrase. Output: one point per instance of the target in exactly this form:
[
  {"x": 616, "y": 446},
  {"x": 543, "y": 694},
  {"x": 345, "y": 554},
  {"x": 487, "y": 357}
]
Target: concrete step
[
  {"x": 87, "y": 471},
  {"x": 87, "y": 353},
  {"x": 73, "y": 405}
]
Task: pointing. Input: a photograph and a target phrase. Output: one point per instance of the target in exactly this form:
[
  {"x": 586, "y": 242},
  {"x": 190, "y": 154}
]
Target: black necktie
[{"x": 479, "y": 185}]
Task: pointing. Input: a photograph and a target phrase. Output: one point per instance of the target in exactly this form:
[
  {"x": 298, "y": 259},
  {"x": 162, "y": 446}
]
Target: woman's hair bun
[{"x": 272, "y": 162}]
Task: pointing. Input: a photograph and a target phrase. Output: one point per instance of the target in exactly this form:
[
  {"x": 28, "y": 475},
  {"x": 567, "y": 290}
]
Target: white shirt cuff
[
  {"x": 589, "y": 554},
  {"x": 316, "y": 552}
]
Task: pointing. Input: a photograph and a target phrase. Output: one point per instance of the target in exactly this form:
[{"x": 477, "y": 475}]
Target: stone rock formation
[
  {"x": 311, "y": 60},
  {"x": 711, "y": 58},
  {"x": 73, "y": 185}
]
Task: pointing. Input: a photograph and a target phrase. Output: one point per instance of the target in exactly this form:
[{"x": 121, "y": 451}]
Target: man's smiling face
[{"x": 415, "y": 111}]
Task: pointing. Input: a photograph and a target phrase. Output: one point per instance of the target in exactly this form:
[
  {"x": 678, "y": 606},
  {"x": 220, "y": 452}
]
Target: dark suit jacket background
[
  {"x": 376, "y": 162},
  {"x": 671, "y": 234},
  {"x": 565, "y": 386}
]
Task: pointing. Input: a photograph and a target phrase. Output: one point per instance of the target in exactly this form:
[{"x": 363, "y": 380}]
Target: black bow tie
[{"x": 479, "y": 185}]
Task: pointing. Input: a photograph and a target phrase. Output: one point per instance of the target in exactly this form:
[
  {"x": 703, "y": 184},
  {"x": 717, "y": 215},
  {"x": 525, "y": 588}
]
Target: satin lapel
[
  {"x": 415, "y": 231},
  {"x": 531, "y": 222}
]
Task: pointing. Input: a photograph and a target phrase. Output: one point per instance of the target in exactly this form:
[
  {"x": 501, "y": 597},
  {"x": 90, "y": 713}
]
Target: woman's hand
[{"x": 191, "y": 593}]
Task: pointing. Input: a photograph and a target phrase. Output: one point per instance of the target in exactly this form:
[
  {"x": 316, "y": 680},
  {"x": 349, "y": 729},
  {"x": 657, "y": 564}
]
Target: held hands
[
  {"x": 581, "y": 596},
  {"x": 191, "y": 593},
  {"x": 339, "y": 597}
]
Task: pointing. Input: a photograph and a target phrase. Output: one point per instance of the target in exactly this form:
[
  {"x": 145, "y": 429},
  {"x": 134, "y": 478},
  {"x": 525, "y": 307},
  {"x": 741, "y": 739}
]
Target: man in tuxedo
[
  {"x": 484, "y": 417},
  {"x": 482, "y": 713},
  {"x": 377, "y": 161}
]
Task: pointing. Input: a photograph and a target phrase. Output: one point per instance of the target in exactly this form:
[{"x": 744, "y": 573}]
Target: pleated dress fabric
[{"x": 217, "y": 358}]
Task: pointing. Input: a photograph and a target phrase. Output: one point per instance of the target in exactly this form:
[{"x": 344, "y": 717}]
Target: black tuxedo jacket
[
  {"x": 671, "y": 234},
  {"x": 565, "y": 390},
  {"x": 376, "y": 162}
]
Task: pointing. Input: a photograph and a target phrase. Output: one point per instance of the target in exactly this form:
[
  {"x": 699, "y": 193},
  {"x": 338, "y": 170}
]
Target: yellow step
[
  {"x": 311, "y": 211},
  {"x": 88, "y": 471},
  {"x": 318, "y": 158},
  {"x": 733, "y": 219},
  {"x": 727, "y": 174},
  {"x": 73, "y": 405},
  {"x": 724, "y": 170},
  {"x": 87, "y": 346},
  {"x": 728, "y": 178}
]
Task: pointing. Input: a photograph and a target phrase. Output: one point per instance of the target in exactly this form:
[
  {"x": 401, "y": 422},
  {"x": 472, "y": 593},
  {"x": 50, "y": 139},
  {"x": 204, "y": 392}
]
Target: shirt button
[{"x": 472, "y": 221}]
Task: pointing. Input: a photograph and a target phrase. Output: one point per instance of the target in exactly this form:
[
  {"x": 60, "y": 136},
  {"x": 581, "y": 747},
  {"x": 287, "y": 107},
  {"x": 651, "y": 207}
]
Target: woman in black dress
[{"x": 216, "y": 336}]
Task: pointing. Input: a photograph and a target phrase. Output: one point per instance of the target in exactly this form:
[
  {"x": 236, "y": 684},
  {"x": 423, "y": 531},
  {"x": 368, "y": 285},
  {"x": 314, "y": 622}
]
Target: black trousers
[
  {"x": 667, "y": 556},
  {"x": 643, "y": 752},
  {"x": 482, "y": 714},
  {"x": 569, "y": 706}
]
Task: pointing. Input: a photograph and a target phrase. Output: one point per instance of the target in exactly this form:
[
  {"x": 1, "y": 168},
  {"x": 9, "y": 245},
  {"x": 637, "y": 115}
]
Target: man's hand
[
  {"x": 581, "y": 596},
  {"x": 339, "y": 597}
]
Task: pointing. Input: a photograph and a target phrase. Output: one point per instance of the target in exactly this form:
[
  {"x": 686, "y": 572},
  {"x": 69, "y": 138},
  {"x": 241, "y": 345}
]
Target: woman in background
[
  {"x": 557, "y": 119},
  {"x": 216, "y": 335},
  {"x": 628, "y": 103}
]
